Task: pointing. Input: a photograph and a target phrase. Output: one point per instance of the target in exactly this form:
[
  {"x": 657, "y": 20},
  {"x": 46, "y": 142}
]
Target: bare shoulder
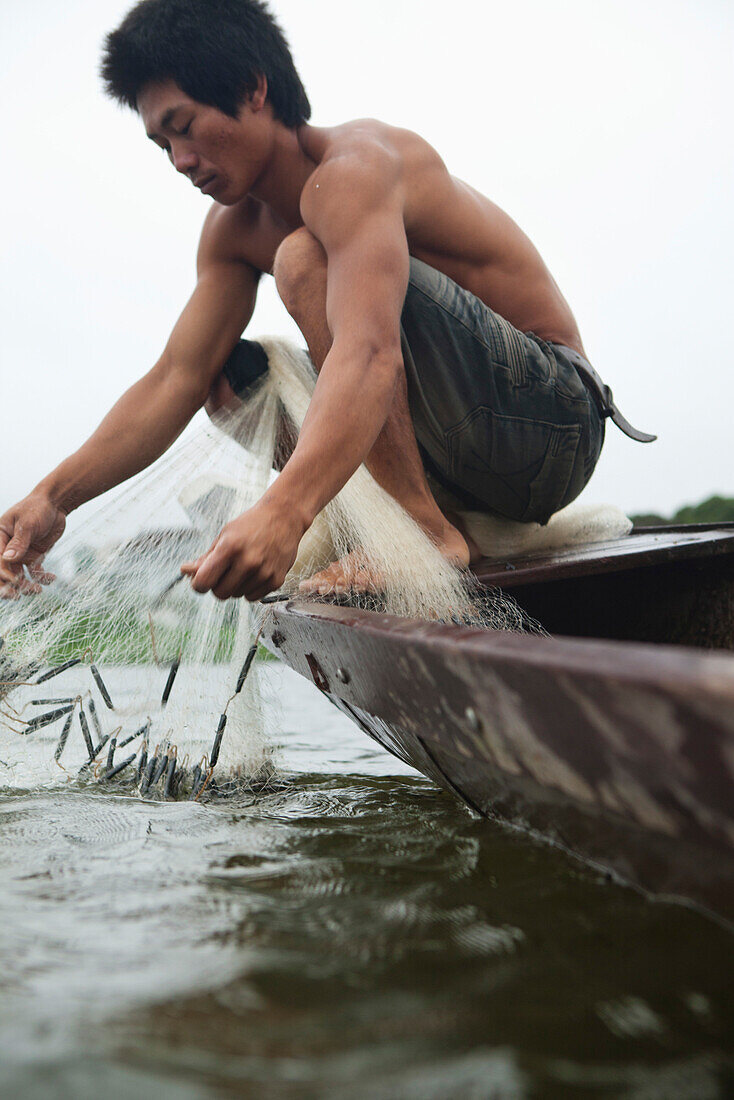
[
  {"x": 366, "y": 137},
  {"x": 362, "y": 161}
]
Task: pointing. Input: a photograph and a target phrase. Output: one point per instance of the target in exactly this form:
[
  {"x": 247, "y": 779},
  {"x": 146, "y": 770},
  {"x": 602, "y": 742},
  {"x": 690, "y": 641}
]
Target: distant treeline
[{"x": 713, "y": 510}]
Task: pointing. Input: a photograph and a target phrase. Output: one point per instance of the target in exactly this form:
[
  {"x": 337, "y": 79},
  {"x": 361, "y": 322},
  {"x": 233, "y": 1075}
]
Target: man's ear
[{"x": 257, "y": 100}]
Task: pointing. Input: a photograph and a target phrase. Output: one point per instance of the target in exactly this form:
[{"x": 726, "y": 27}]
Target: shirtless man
[{"x": 441, "y": 340}]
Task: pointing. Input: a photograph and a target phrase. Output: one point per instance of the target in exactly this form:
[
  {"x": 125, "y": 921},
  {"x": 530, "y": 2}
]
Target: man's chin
[{"x": 228, "y": 195}]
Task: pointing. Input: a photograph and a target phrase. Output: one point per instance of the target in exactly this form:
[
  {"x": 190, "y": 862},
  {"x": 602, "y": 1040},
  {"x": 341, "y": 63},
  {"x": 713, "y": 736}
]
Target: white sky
[{"x": 602, "y": 126}]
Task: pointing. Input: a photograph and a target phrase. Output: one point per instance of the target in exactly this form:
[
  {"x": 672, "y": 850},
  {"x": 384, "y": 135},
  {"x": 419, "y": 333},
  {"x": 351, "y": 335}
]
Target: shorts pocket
[{"x": 520, "y": 468}]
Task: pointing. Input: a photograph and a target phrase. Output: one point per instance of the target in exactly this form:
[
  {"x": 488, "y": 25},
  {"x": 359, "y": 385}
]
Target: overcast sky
[{"x": 602, "y": 126}]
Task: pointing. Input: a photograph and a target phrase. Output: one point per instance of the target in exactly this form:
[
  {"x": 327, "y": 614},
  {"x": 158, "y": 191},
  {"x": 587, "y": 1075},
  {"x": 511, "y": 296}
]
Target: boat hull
[{"x": 621, "y": 752}]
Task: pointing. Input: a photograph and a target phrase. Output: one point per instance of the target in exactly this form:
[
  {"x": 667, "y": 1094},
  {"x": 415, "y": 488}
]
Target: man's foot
[{"x": 354, "y": 574}]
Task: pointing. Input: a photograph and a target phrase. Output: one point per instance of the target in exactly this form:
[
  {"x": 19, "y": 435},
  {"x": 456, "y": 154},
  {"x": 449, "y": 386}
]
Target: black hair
[{"x": 213, "y": 49}]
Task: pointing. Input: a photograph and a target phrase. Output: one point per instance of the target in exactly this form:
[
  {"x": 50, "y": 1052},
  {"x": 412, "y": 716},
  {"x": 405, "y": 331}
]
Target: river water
[{"x": 353, "y": 932}]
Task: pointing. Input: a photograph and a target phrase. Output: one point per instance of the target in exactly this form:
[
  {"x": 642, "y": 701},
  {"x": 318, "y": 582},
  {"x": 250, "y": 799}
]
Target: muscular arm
[
  {"x": 149, "y": 416},
  {"x": 353, "y": 206}
]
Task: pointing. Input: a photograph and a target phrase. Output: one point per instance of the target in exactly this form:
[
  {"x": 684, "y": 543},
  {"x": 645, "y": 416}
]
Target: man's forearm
[
  {"x": 348, "y": 410},
  {"x": 137, "y": 430}
]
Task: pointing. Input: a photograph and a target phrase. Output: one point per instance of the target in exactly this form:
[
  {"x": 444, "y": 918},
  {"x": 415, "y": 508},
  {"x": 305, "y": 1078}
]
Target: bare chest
[{"x": 461, "y": 233}]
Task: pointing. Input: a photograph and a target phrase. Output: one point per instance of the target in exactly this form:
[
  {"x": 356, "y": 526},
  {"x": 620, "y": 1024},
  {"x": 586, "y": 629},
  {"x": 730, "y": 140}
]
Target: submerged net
[
  {"x": 119, "y": 671},
  {"x": 120, "y": 645}
]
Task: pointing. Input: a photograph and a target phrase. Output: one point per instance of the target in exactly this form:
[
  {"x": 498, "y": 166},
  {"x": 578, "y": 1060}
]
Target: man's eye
[{"x": 186, "y": 129}]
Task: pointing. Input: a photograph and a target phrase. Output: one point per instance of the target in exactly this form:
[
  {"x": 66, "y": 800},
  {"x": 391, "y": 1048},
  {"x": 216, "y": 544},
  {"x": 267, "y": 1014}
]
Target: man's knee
[{"x": 299, "y": 269}]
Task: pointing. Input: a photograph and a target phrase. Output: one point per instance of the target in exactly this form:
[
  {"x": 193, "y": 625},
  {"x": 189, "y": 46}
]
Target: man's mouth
[{"x": 205, "y": 183}]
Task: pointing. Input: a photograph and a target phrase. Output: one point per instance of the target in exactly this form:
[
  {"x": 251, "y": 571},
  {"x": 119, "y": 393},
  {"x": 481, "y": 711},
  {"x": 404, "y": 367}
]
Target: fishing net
[
  {"x": 118, "y": 671},
  {"x": 119, "y": 647}
]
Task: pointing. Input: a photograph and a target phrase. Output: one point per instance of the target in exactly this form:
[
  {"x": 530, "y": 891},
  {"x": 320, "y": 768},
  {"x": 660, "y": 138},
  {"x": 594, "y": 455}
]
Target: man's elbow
[
  {"x": 377, "y": 354},
  {"x": 386, "y": 367}
]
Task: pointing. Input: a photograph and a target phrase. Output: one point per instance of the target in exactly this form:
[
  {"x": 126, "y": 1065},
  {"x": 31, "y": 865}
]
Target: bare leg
[{"x": 394, "y": 460}]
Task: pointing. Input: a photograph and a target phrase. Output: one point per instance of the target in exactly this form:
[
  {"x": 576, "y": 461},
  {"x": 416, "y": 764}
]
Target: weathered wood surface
[{"x": 621, "y": 752}]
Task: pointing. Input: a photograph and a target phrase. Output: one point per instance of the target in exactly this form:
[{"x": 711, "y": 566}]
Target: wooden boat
[{"x": 614, "y": 737}]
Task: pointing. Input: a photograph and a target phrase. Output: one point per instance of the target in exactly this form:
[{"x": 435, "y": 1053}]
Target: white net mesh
[{"x": 118, "y": 670}]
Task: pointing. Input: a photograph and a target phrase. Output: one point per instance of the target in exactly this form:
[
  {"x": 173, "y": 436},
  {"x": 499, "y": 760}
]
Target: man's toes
[
  {"x": 328, "y": 581},
  {"x": 311, "y": 585},
  {"x": 364, "y": 581},
  {"x": 340, "y": 578}
]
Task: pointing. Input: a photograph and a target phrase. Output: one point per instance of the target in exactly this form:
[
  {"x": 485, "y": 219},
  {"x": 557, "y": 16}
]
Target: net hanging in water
[{"x": 137, "y": 659}]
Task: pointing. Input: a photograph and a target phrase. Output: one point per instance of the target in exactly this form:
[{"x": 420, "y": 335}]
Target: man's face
[{"x": 222, "y": 156}]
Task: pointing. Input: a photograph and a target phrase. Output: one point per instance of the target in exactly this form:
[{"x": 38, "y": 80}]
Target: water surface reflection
[{"x": 352, "y": 931}]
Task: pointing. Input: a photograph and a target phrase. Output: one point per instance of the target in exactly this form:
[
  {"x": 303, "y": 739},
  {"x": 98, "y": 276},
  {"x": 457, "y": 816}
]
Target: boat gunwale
[
  {"x": 685, "y": 543},
  {"x": 683, "y": 671}
]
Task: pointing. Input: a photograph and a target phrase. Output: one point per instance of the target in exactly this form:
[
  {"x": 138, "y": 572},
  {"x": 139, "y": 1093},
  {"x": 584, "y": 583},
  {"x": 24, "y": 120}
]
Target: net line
[{"x": 119, "y": 671}]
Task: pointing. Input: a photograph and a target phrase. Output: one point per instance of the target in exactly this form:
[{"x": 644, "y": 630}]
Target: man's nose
[{"x": 184, "y": 160}]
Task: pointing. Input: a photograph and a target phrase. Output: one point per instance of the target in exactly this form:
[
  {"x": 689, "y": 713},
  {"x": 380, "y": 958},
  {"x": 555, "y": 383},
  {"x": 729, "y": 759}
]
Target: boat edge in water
[{"x": 620, "y": 751}]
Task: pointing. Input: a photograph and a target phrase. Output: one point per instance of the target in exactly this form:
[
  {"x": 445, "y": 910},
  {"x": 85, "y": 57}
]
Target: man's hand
[
  {"x": 27, "y": 533},
  {"x": 251, "y": 555}
]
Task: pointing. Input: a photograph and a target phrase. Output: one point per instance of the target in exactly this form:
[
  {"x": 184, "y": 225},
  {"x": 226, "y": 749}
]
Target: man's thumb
[{"x": 18, "y": 545}]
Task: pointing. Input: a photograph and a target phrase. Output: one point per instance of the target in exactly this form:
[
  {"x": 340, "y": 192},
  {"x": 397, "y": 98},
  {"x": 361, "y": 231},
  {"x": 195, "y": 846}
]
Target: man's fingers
[
  {"x": 212, "y": 568},
  {"x": 18, "y": 585},
  {"x": 189, "y": 568},
  {"x": 238, "y": 580},
  {"x": 40, "y": 575},
  {"x": 257, "y": 593},
  {"x": 34, "y": 565},
  {"x": 17, "y": 547},
  {"x": 13, "y": 575},
  {"x": 227, "y": 584},
  {"x": 251, "y": 587},
  {"x": 238, "y": 564},
  {"x": 10, "y": 574}
]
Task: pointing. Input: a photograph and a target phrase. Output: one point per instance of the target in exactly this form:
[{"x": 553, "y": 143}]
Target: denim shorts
[{"x": 502, "y": 418}]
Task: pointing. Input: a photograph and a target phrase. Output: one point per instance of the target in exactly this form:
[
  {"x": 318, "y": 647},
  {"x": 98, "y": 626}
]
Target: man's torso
[{"x": 448, "y": 225}]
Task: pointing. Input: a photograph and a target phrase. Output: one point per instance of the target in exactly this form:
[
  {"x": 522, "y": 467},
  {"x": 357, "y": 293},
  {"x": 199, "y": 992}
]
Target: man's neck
[{"x": 281, "y": 183}]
